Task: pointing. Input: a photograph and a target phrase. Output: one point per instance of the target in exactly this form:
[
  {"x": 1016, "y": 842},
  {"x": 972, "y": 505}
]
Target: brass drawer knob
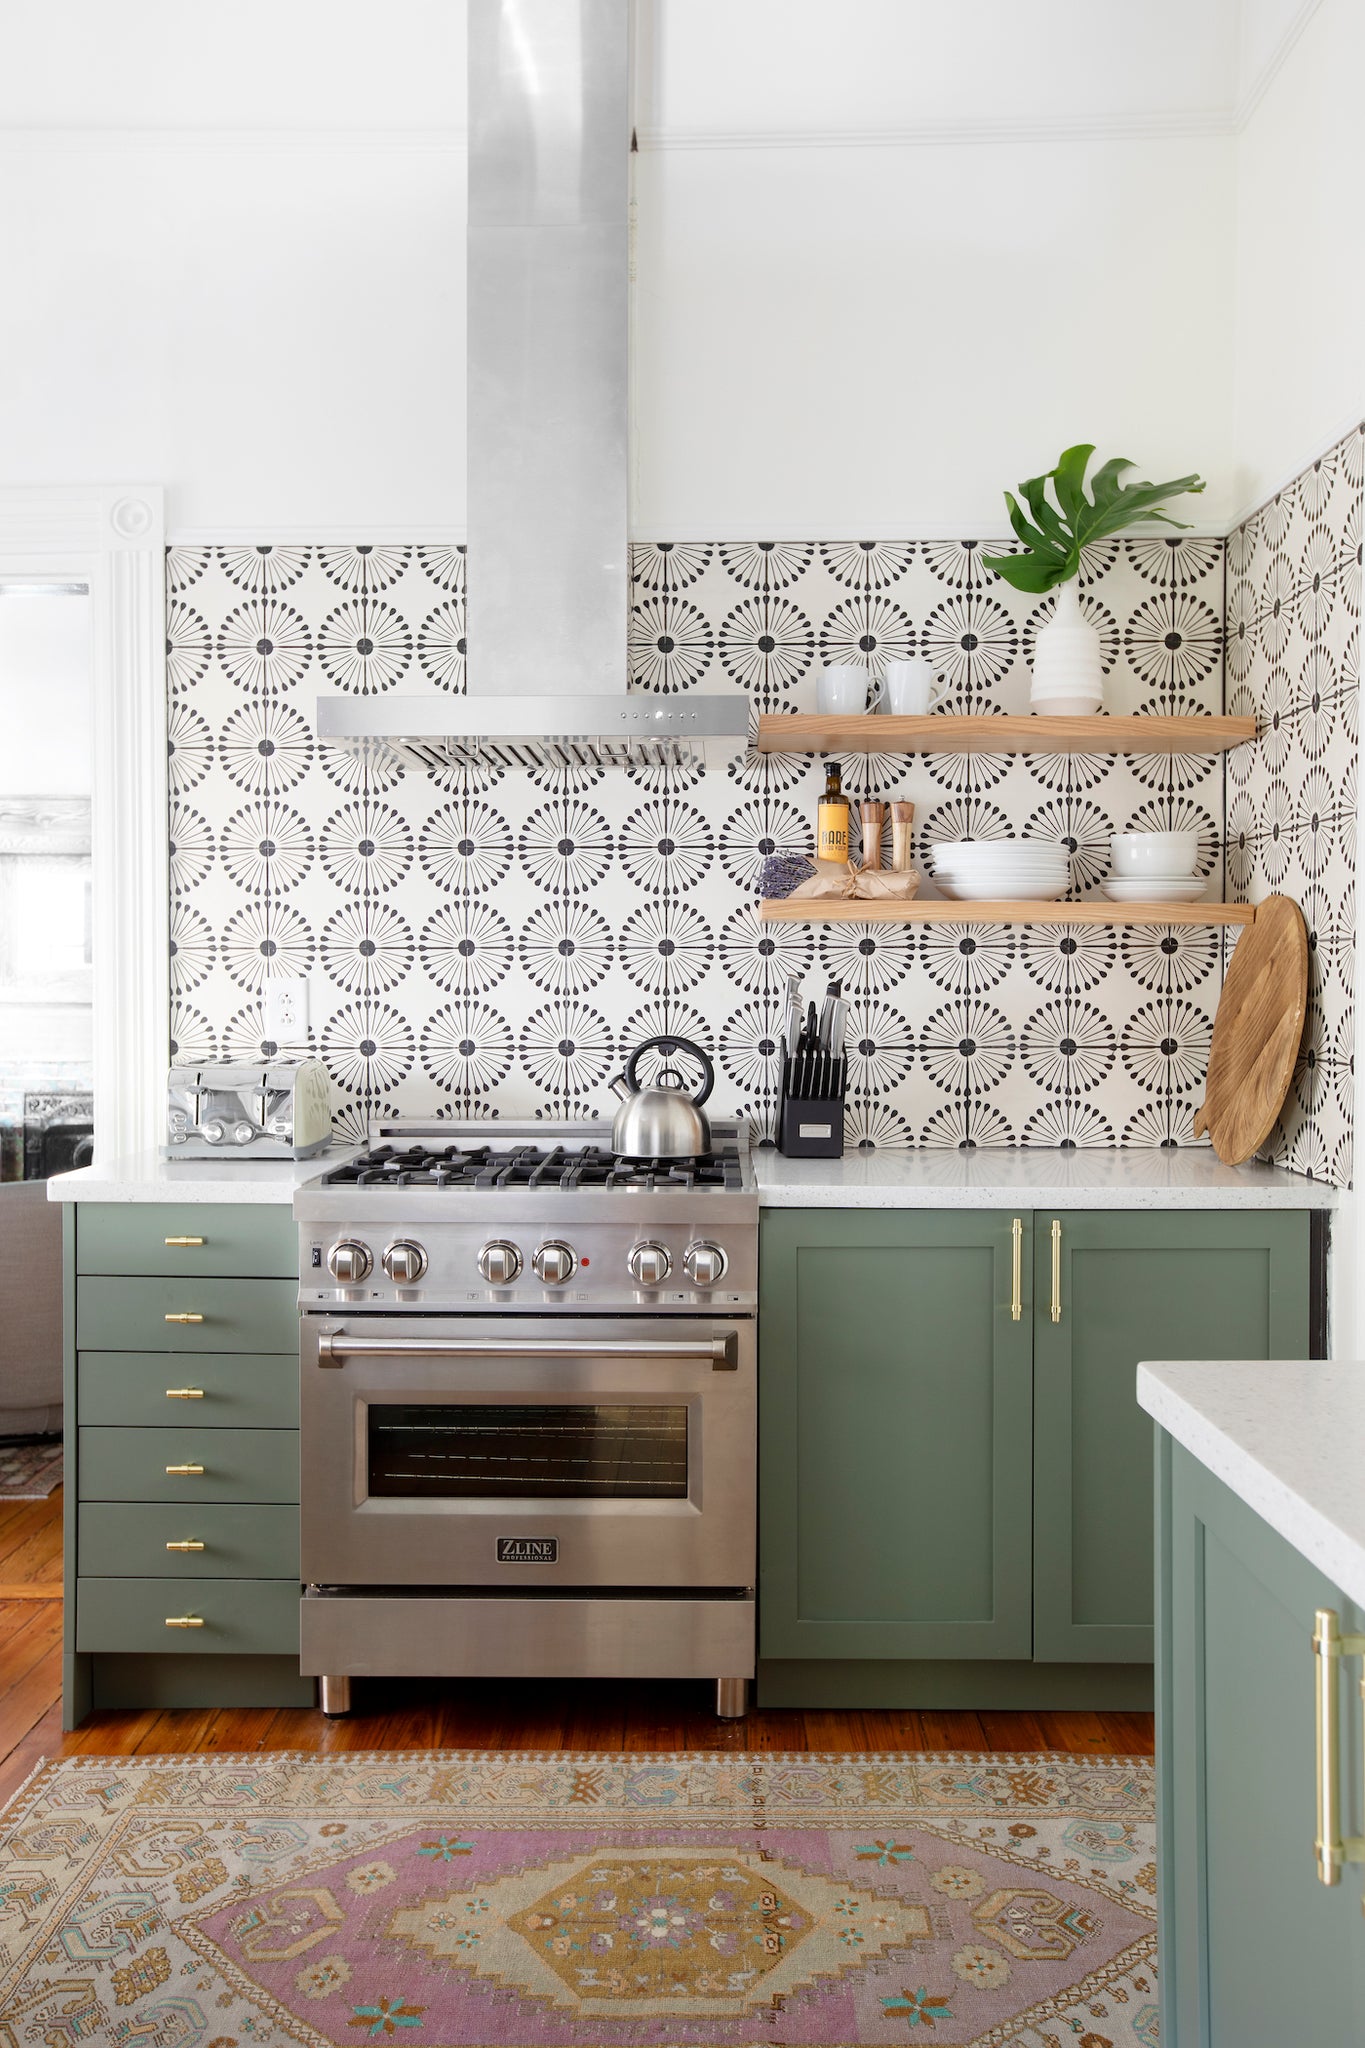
[
  {"x": 184, "y": 1393},
  {"x": 184, "y": 1319},
  {"x": 190, "y": 1543},
  {"x": 177, "y": 1241},
  {"x": 184, "y": 1621},
  {"x": 181, "y": 1471}
]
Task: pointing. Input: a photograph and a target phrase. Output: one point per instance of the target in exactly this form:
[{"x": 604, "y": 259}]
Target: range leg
[
  {"x": 732, "y": 1698},
  {"x": 336, "y": 1695}
]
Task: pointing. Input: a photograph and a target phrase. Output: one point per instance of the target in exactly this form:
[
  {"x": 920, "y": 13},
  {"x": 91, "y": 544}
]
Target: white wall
[
  {"x": 1299, "y": 355},
  {"x": 878, "y": 340},
  {"x": 234, "y": 258}
]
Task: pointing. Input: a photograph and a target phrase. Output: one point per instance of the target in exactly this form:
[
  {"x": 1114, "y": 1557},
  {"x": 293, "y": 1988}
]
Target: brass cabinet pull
[
  {"x": 1329, "y": 1647},
  {"x": 184, "y": 1621},
  {"x": 1056, "y": 1271},
  {"x": 184, "y": 1319},
  {"x": 1016, "y": 1269},
  {"x": 175, "y": 1471},
  {"x": 184, "y": 1240},
  {"x": 184, "y": 1393},
  {"x": 190, "y": 1543}
]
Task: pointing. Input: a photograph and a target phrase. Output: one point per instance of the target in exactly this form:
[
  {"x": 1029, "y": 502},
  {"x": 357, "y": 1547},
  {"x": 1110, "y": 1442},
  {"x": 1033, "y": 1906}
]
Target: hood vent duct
[{"x": 548, "y": 366}]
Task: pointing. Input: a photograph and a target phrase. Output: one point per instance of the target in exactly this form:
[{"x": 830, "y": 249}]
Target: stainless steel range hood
[{"x": 548, "y": 366}]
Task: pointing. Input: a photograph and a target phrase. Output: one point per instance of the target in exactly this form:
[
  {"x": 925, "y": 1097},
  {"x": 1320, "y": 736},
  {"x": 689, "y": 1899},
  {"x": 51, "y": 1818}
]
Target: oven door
[{"x": 525, "y": 1451}]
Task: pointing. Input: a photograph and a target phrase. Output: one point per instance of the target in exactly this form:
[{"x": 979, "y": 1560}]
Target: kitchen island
[{"x": 1260, "y": 1761}]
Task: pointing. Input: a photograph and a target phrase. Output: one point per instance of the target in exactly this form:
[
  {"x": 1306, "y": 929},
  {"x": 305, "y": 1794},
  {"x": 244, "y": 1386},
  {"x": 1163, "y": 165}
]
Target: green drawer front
[
  {"x": 240, "y": 1617},
  {"x": 238, "y": 1315},
  {"x": 239, "y": 1464},
  {"x": 157, "y": 1389},
  {"x": 239, "y": 1239},
  {"x": 239, "y": 1542}
]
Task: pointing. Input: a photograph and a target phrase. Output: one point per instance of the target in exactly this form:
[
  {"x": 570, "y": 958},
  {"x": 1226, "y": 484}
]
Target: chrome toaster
[{"x": 271, "y": 1109}]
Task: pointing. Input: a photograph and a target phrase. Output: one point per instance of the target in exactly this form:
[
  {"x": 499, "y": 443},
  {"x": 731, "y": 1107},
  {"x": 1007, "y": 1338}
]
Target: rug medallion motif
[{"x": 451, "y": 1901}]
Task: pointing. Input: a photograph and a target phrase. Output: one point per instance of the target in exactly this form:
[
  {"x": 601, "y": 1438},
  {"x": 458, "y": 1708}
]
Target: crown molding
[
  {"x": 948, "y": 131},
  {"x": 231, "y": 141},
  {"x": 1274, "y": 64}
]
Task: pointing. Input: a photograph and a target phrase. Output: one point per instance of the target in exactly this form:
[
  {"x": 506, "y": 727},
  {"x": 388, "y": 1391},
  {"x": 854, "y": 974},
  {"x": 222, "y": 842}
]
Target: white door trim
[{"x": 113, "y": 538}]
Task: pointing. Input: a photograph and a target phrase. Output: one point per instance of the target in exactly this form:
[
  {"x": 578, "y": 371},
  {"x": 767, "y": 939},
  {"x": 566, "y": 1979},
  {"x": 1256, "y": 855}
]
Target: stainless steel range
[{"x": 528, "y": 1409}]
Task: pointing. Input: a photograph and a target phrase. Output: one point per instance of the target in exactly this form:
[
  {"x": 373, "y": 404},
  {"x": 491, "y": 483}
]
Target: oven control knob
[
  {"x": 500, "y": 1263},
  {"x": 554, "y": 1263},
  {"x": 350, "y": 1261},
  {"x": 706, "y": 1264},
  {"x": 405, "y": 1262},
  {"x": 650, "y": 1264}
]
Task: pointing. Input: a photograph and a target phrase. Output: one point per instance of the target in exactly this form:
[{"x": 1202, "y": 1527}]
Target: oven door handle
[{"x": 334, "y": 1348}]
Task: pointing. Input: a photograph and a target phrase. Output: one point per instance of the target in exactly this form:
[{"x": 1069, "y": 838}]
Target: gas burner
[{"x": 530, "y": 1166}]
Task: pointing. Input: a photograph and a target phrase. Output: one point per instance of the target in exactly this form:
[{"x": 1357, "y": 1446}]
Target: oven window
[{"x": 482, "y": 1452}]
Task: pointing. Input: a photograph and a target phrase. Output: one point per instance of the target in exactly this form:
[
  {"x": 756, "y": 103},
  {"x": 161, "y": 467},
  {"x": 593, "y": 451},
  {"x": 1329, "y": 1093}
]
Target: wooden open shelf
[
  {"x": 811, "y": 732},
  {"x": 934, "y": 911}
]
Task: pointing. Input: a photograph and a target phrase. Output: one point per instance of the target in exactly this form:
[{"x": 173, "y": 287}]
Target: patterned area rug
[
  {"x": 30, "y": 1467},
  {"x": 460, "y": 1901}
]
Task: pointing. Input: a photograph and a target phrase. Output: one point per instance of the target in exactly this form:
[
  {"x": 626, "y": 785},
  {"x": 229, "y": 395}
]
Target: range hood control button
[
  {"x": 554, "y": 1263},
  {"x": 500, "y": 1263},
  {"x": 650, "y": 1265},
  {"x": 405, "y": 1262},
  {"x": 350, "y": 1262},
  {"x": 706, "y": 1264}
]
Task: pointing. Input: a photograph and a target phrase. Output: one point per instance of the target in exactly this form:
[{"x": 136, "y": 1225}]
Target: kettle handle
[{"x": 669, "y": 1043}]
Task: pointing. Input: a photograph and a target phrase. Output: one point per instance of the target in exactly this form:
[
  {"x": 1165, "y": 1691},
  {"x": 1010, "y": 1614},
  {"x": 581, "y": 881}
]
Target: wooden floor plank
[{"x": 452, "y": 1714}]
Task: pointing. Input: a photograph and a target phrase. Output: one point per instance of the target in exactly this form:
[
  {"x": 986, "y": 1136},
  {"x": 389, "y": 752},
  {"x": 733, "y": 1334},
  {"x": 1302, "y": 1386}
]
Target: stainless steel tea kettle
[{"x": 662, "y": 1122}]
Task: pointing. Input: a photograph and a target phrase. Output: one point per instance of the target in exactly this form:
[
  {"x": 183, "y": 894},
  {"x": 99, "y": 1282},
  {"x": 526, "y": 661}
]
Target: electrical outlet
[{"x": 286, "y": 1010}]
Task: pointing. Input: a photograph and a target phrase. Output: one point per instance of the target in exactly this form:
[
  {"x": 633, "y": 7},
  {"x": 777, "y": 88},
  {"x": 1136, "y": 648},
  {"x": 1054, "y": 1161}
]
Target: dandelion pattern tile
[
  {"x": 492, "y": 944},
  {"x": 1293, "y": 626}
]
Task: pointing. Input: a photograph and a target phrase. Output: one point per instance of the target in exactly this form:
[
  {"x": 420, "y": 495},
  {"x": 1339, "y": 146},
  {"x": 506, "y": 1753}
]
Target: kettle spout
[{"x": 620, "y": 1087}]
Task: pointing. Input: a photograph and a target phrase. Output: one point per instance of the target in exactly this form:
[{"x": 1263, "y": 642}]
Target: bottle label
[{"x": 831, "y": 839}]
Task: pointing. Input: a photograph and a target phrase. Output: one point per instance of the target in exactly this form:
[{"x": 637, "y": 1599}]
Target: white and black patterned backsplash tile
[
  {"x": 1293, "y": 662},
  {"x": 495, "y": 943}
]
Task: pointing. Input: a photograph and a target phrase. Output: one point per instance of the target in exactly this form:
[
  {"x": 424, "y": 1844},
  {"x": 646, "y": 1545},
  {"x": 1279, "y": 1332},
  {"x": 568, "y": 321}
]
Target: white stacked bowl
[
  {"x": 1014, "y": 870},
  {"x": 1154, "y": 867}
]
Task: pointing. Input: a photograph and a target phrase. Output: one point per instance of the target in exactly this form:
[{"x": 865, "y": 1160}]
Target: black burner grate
[{"x": 529, "y": 1166}]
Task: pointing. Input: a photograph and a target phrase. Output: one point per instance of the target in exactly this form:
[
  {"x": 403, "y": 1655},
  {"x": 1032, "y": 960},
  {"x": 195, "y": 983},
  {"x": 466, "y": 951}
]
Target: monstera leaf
[{"x": 1055, "y": 533}]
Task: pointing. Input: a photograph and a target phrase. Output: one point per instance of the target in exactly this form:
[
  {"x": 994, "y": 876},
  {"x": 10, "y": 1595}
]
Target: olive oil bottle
[{"x": 831, "y": 837}]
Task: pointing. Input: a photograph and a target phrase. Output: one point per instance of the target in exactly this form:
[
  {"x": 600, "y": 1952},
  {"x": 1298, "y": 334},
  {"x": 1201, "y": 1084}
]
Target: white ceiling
[{"x": 709, "y": 70}]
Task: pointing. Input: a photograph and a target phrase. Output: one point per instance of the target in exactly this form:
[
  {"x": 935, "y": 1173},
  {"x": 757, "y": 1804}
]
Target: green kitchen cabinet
[
  {"x": 1131, "y": 1285},
  {"x": 895, "y": 1398},
  {"x": 1254, "y": 1948},
  {"x": 182, "y": 1404},
  {"x": 955, "y": 1499}
]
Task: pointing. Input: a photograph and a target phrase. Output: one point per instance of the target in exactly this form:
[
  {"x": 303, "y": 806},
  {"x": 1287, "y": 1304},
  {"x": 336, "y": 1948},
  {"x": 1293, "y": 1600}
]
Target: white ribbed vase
[{"x": 1068, "y": 679}]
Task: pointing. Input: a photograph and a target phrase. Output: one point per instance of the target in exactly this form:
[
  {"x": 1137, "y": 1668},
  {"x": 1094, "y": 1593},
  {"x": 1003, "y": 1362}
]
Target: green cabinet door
[
  {"x": 895, "y": 1402},
  {"x": 1134, "y": 1285},
  {"x": 1253, "y": 1948}
]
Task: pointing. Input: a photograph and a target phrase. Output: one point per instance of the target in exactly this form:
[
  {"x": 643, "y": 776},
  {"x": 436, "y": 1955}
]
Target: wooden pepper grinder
[
  {"x": 902, "y": 825},
  {"x": 873, "y": 816}
]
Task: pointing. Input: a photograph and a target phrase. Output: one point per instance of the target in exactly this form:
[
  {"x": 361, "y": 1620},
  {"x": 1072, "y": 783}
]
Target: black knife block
[{"x": 810, "y": 1126}]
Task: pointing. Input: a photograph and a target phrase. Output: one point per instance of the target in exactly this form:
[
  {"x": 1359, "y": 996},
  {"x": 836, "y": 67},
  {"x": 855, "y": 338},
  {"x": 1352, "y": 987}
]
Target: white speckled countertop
[
  {"x": 147, "y": 1177},
  {"x": 1193, "y": 1179},
  {"x": 1274, "y": 1433}
]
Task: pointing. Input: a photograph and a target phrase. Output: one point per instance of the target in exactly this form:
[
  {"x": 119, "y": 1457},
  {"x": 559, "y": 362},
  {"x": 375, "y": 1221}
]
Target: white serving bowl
[{"x": 1137, "y": 855}]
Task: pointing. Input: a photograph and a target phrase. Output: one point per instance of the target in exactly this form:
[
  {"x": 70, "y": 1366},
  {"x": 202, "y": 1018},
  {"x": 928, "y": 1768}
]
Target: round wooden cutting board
[{"x": 1256, "y": 1032}]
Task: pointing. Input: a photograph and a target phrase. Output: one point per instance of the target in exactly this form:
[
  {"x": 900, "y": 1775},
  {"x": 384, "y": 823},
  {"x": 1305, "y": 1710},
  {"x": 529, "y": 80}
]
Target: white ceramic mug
[
  {"x": 909, "y": 690},
  {"x": 842, "y": 690}
]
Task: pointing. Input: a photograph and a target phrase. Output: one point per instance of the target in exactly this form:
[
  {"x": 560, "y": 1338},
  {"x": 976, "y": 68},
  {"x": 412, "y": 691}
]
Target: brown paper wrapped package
[{"x": 843, "y": 882}]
